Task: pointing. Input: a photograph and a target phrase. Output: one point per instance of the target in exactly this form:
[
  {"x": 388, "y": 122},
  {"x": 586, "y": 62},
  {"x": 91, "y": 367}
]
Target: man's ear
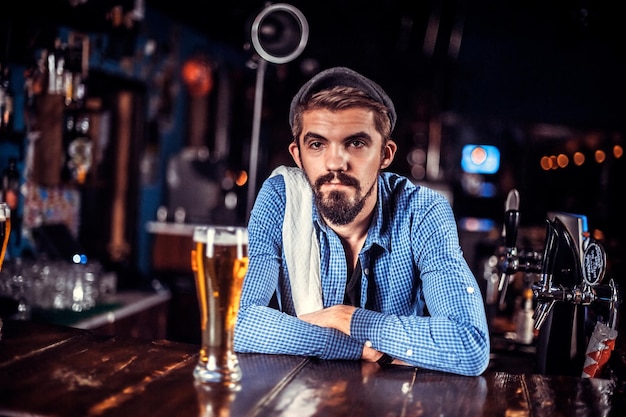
[
  {"x": 295, "y": 153},
  {"x": 389, "y": 152}
]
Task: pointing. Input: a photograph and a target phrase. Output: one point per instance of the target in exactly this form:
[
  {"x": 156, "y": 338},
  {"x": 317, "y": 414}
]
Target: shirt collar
[{"x": 378, "y": 233}]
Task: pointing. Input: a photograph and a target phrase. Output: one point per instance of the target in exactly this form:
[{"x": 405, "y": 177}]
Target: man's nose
[{"x": 336, "y": 158}]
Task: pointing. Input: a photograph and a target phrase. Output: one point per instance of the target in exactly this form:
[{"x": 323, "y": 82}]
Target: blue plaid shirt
[{"x": 427, "y": 309}]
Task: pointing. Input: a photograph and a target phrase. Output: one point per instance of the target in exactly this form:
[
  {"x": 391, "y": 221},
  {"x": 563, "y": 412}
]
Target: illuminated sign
[{"x": 480, "y": 159}]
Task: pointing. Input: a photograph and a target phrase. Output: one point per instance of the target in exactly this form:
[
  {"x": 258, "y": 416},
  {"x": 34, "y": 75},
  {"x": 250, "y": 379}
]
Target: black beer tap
[
  {"x": 544, "y": 292},
  {"x": 509, "y": 264},
  {"x": 570, "y": 301},
  {"x": 565, "y": 280}
]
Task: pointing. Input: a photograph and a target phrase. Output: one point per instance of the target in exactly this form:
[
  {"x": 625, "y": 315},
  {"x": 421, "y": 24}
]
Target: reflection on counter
[{"x": 154, "y": 378}]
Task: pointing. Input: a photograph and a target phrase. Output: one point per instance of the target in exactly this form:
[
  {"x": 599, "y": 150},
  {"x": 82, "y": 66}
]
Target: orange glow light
[
  {"x": 579, "y": 158},
  {"x": 553, "y": 162},
  {"x": 198, "y": 76},
  {"x": 598, "y": 234},
  {"x": 600, "y": 156},
  {"x": 242, "y": 178},
  {"x": 479, "y": 155}
]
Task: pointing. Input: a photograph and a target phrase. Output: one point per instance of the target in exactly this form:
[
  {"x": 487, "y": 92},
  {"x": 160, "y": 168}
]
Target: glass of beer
[
  {"x": 219, "y": 260},
  {"x": 5, "y": 230}
]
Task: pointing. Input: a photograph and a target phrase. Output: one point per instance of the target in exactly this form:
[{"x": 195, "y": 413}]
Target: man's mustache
[{"x": 344, "y": 179}]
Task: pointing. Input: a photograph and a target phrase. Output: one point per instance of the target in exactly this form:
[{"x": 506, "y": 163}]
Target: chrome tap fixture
[
  {"x": 573, "y": 270},
  {"x": 566, "y": 279},
  {"x": 511, "y": 259}
]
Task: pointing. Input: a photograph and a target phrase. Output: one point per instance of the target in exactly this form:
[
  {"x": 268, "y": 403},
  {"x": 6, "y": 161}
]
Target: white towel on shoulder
[{"x": 300, "y": 243}]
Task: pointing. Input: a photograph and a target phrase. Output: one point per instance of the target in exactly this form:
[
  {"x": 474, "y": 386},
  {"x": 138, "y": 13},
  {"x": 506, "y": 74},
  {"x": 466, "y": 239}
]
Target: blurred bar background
[{"x": 124, "y": 123}]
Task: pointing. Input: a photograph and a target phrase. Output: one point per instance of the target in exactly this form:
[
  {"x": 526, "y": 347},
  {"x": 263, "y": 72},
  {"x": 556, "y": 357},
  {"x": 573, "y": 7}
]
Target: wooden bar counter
[{"x": 50, "y": 370}]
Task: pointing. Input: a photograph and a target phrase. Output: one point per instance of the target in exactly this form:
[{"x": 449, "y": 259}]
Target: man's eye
[
  {"x": 315, "y": 145},
  {"x": 357, "y": 143}
]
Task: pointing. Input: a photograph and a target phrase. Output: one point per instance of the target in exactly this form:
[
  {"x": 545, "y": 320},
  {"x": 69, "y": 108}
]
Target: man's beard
[{"x": 337, "y": 207}]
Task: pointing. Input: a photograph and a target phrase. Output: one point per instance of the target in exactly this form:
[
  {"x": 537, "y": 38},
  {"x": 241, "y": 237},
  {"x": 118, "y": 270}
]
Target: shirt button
[
  {"x": 368, "y": 343},
  {"x": 470, "y": 290},
  {"x": 409, "y": 352},
  {"x": 366, "y": 271}
]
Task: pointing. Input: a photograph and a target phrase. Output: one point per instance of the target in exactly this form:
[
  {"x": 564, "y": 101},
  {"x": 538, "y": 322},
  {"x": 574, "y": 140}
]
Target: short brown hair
[{"x": 342, "y": 98}]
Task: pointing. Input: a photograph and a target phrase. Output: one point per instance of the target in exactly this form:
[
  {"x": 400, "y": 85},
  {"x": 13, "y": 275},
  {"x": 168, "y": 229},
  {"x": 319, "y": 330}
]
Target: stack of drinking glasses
[{"x": 50, "y": 285}]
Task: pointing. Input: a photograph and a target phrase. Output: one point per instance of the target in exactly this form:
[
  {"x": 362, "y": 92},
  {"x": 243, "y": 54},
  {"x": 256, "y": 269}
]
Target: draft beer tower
[{"x": 573, "y": 305}]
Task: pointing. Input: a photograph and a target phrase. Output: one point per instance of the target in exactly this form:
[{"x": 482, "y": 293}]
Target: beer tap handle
[
  {"x": 509, "y": 232},
  {"x": 613, "y": 304},
  {"x": 544, "y": 292},
  {"x": 549, "y": 254},
  {"x": 541, "y": 312},
  {"x": 502, "y": 287},
  {"x": 511, "y": 219}
]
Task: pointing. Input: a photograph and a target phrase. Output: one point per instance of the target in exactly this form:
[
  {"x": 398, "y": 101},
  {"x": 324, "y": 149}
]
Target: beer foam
[
  {"x": 221, "y": 235},
  {"x": 5, "y": 213}
]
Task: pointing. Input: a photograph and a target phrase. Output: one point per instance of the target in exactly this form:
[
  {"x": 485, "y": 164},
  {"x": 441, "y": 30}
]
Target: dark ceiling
[
  {"x": 352, "y": 27},
  {"x": 548, "y": 60},
  {"x": 535, "y": 59},
  {"x": 350, "y": 22}
]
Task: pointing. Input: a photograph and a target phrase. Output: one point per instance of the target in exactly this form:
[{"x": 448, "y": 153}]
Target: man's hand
[
  {"x": 339, "y": 317},
  {"x": 372, "y": 355},
  {"x": 335, "y": 317}
]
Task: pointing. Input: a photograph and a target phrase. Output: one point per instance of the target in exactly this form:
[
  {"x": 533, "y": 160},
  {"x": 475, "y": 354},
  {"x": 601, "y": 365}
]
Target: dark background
[
  {"x": 535, "y": 78},
  {"x": 532, "y": 77},
  {"x": 537, "y": 61}
]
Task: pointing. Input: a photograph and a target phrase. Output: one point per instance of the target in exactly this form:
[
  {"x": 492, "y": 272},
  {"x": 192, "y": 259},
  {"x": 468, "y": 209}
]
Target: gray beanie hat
[{"x": 342, "y": 76}]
